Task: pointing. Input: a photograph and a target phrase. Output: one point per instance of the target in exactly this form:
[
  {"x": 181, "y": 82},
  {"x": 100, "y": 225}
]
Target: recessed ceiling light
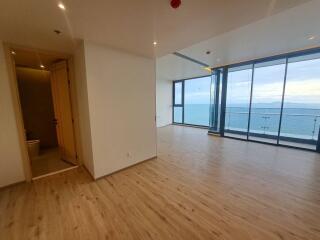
[
  {"x": 155, "y": 43},
  {"x": 13, "y": 52},
  {"x": 61, "y": 6},
  {"x": 311, "y": 37},
  {"x": 41, "y": 65}
]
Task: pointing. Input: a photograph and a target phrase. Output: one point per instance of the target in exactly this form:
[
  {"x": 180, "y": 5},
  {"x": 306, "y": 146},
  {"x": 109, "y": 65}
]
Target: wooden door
[{"x": 60, "y": 85}]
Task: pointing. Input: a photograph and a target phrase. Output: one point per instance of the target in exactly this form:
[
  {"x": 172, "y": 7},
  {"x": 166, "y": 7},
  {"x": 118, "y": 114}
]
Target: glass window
[
  {"x": 301, "y": 107},
  {"x": 178, "y": 93},
  {"x": 274, "y": 101},
  {"x": 177, "y": 114},
  {"x": 197, "y": 101},
  {"x": 267, "y": 93},
  {"x": 238, "y": 101}
]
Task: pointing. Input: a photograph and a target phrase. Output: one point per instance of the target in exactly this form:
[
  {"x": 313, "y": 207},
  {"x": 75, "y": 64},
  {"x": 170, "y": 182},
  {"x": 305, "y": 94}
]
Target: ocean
[{"x": 298, "y": 122}]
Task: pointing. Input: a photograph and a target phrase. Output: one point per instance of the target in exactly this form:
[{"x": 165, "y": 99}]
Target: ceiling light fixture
[
  {"x": 155, "y": 43},
  {"x": 61, "y": 6},
  {"x": 41, "y": 65},
  {"x": 13, "y": 52},
  {"x": 312, "y": 37},
  {"x": 207, "y": 69}
]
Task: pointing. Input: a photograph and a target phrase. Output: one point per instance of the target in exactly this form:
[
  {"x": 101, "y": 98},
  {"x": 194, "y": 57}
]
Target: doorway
[{"x": 45, "y": 101}]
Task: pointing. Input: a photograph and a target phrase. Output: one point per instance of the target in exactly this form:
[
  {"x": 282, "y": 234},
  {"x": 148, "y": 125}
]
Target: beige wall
[
  {"x": 116, "y": 111},
  {"x": 11, "y": 168},
  {"x": 121, "y": 94},
  {"x": 83, "y": 108},
  {"x": 37, "y": 106}
]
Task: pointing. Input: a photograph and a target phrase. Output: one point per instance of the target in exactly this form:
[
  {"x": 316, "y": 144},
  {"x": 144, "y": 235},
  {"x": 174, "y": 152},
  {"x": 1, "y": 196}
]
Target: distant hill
[{"x": 277, "y": 105}]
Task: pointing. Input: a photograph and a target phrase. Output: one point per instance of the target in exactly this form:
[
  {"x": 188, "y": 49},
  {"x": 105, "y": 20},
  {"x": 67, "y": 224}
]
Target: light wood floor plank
[{"x": 199, "y": 187}]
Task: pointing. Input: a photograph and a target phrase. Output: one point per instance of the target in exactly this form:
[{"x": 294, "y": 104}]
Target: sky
[{"x": 302, "y": 85}]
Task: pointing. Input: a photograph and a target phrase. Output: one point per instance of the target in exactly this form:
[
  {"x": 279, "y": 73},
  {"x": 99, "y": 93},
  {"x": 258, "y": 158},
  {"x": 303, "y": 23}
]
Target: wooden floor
[
  {"x": 199, "y": 187},
  {"x": 48, "y": 161}
]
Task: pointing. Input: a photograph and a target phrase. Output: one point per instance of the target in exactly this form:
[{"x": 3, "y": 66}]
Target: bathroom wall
[{"x": 37, "y": 106}]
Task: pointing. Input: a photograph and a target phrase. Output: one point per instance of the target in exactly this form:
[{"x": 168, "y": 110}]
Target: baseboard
[
  {"x": 12, "y": 185},
  {"x": 83, "y": 166},
  {"x": 125, "y": 168}
]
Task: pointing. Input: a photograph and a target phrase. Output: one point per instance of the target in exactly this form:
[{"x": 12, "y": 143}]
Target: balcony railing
[{"x": 301, "y": 127}]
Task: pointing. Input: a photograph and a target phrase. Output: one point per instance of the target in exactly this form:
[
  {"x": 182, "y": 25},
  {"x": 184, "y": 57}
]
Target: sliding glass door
[
  {"x": 238, "y": 101},
  {"x": 266, "y": 98},
  {"x": 301, "y": 106},
  {"x": 274, "y": 100}
]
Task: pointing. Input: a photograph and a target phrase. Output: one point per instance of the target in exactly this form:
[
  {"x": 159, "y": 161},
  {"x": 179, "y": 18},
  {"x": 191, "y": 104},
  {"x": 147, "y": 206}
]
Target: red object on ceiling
[{"x": 175, "y": 3}]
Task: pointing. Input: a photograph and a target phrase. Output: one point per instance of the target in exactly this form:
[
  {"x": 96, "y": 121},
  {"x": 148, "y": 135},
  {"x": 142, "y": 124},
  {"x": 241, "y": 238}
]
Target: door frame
[{"x": 18, "y": 109}]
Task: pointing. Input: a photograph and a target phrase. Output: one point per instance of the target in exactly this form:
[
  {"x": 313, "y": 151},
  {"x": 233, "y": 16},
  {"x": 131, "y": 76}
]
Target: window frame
[
  {"x": 285, "y": 56},
  {"x": 183, "y": 97},
  {"x": 224, "y": 93},
  {"x": 174, "y": 105}
]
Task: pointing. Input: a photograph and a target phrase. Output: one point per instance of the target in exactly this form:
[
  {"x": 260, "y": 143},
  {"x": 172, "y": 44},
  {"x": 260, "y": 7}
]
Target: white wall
[
  {"x": 86, "y": 156},
  {"x": 11, "y": 167},
  {"x": 164, "y": 102},
  {"x": 121, "y": 94}
]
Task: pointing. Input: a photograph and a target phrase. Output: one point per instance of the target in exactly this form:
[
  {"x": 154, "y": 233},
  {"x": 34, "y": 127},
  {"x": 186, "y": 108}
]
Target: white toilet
[{"x": 33, "y": 148}]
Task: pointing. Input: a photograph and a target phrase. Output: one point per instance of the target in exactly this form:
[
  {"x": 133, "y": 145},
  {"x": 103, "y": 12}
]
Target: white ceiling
[
  {"x": 172, "y": 67},
  {"x": 283, "y": 32},
  {"x": 131, "y": 25}
]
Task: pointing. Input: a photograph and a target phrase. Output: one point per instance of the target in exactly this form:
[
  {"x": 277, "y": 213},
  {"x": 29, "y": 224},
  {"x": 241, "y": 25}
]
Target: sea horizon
[{"x": 298, "y": 120}]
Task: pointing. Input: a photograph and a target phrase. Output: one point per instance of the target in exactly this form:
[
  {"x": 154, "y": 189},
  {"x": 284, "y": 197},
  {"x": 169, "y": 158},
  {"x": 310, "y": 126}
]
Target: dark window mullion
[
  {"x": 173, "y": 100},
  {"x": 282, "y": 100},
  {"x": 223, "y": 100},
  {"x": 182, "y": 100},
  {"x": 250, "y": 103}
]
